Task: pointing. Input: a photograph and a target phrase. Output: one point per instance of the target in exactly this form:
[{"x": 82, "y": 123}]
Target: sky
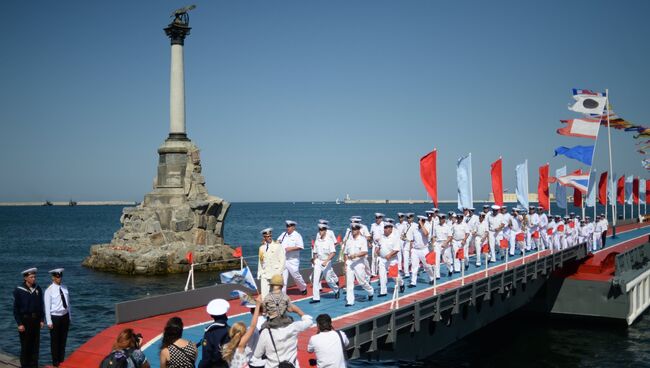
[{"x": 310, "y": 100}]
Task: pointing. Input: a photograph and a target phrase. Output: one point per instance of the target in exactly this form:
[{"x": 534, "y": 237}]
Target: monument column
[{"x": 177, "y": 31}]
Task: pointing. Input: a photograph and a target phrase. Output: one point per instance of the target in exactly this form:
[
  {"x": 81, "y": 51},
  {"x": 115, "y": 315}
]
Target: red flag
[
  {"x": 429, "y": 175},
  {"x": 460, "y": 254},
  {"x": 549, "y": 231},
  {"x": 339, "y": 239},
  {"x": 635, "y": 190},
  {"x": 602, "y": 189},
  {"x": 190, "y": 257},
  {"x": 237, "y": 253},
  {"x": 503, "y": 244},
  {"x": 497, "y": 182},
  {"x": 647, "y": 190},
  {"x": 312, "y": 243},
  {"x": 485, "y": 248},
  {"x": 431, "y": 258},
  {"x": 577, "y": 197},
  {"x": 393, "y": 271},
  {"x": 620, "y": 190},
  {"x": 572, "y": 224},
  {"x": 560, "y": 228},
  {"x": 542, "y": 188},
  {"x": 520, "y": 237},
  {"x": 536, "y": 234}
]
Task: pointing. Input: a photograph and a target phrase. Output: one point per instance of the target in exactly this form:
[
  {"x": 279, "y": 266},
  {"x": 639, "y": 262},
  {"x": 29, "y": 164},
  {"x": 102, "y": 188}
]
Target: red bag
[{"x": 431, "y": 258}]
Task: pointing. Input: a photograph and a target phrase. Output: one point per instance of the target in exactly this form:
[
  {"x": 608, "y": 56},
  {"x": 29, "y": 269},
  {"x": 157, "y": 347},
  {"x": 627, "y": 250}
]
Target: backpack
[{"x": 117, "y": 359}]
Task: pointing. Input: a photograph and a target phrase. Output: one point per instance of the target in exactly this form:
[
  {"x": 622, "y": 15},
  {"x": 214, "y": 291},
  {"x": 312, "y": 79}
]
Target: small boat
[
  {"x": 47, "y": 203},
  {"x": 338, "y": 201},
  {"x": 72, "y": 203}
]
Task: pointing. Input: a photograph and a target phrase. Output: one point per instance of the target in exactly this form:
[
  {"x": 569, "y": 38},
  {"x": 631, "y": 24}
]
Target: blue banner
[
  {"x": 583, "y": 154},
  {"x": 560, "y": 190}
]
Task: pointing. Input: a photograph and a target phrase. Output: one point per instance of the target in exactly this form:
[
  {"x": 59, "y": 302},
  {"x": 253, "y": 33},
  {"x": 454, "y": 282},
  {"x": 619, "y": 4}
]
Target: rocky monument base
[{"x": 177, "y": 217}]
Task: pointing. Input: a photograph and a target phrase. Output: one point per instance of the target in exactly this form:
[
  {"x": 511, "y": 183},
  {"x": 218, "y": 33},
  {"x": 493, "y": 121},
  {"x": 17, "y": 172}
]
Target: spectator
[
  {"x": 127, "y": 345},
  {"x": 281, "y": 344},
  {"x": 176, "y": 352},
  {"x": 328, "y": 344},
  {"x": 216, "y": 335},
  {"x": 238, "y": 352}
]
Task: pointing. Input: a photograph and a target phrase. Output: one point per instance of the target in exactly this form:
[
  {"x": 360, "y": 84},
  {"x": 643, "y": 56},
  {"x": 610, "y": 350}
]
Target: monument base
[{"x": 177, "y": 217}]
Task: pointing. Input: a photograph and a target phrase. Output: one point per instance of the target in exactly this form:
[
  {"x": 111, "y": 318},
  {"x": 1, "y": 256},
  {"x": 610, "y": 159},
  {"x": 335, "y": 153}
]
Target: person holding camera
[
  {"x": 329, "y": 345},
  {"x": 126, "y": 350}
]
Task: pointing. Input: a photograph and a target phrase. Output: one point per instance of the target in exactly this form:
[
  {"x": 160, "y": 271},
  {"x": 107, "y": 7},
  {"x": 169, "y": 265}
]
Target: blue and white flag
[
  {"x": 464, "y": 180},
  {"x": 583, "y": 154},
  {"x": 242, "y": 277},
  {"x": 560, "y": 190},
  {"x": 628, "y": 189},
  {"x": 590, "y": 201},
  {"x": 245, "y": 299},
  {"x": 521, "y": 190},
  {"x": 577, "y": 179},
  {"x": 611, "y": 191},
  {"x": 642, "y": 198}
]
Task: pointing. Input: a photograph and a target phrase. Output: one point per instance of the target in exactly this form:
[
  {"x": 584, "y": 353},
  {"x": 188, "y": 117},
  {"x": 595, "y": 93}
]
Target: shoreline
[{"x": 67, "y": 203}]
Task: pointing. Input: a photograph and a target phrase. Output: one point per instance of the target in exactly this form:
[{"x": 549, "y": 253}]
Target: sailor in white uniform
[
  {"x": 57, "y": 315},
  {"x": 398, "y": 230},
  {"x": 376, "y": 231},
  {"x": 356, "y": 251},
  {"x": 389, "y": 248},
  {"x": 429, "y": 223},
  {"x": 407, "y": 236},
  {"x": 459, "y": 236},
  {"x": 605, "y": 226},
  {"x": 292, "y": 242},
  {"x": 532, "y": 231},
  {"x": 472, "y": 225},
  {"x": 324, "y": 252},
  {"x": 419, "y": 250},
  {"x": 441, "y": 242},
  {"x": 543, "y": 229},
  {"x": 515, "y": 228},
  {"x": 599, "y": 228},
  {"x": 582, "y": 232},
  {"x": 330, "y": 233},
  {"x": 481, "y": 237},
  {"x": 271, "y": 260},
  {"x": 589, "y": 232},
  {"x": 495, "y": 230}
]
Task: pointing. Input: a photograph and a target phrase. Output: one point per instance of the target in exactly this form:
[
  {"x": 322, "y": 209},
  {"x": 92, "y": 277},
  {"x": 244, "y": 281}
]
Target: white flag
[
  {"x": 589, "y": 104},
  {"x": 628, "y": 190},
  {"x": 464, "y": 180},
  {"x": 642, "y": 198},
  {"x": 521, "y": 190}
]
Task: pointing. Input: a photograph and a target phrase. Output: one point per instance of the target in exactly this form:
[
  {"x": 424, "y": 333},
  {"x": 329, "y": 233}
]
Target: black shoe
[
  {"x": 349, "y": 305},
  {"x": 314, "y": 301},
  {"x": 370, "y": 297},
  {"x": 406, "y": 276},
  {"x": 304, "y": 292},
  {"x": 431, "y": 282},
  {"x": 337, "y": 294},
  {"x": 411, "y": 286},
  {"x": 401, "y": 289},
  {"x": 449, "y": 274},
  {"x": 381, "y": 295}
]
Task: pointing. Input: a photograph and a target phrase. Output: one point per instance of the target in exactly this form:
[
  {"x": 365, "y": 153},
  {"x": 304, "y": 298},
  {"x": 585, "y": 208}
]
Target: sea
[{"x": 61, "y": 236}]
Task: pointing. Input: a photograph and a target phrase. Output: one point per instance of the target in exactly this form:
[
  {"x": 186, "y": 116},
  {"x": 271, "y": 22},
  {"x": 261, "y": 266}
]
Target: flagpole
[{"x": 611, "y": 169}]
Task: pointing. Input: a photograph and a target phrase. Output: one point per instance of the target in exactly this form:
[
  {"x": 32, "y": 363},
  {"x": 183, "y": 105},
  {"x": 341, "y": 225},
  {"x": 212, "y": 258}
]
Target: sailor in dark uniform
[
  {"x": 29, "y": 313},
  {"x": 215, "y": 336}
]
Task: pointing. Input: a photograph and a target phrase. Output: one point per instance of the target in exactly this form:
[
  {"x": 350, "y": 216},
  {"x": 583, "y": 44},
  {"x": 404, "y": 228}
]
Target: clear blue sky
[{"x": 309, "y": 100}]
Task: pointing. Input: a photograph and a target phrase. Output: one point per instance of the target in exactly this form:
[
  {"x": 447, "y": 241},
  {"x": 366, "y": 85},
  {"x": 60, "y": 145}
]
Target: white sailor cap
[
  {"x": 355, "y": 226},
  {"x": 452, "y": 214},
  {"x": 389, "y": 220},
  {"x": 379, "y": 214},
  {"x": 516, "y": 209},
  {"x": 572, "y": 214},
  {"x": 443, "y": 216},
  {"x": 355, "y": 219},
  {"x": 540, "y": 207},
  {"x": 410, "y": 214},
  {"x": 321, "y": 221},
  {"x": 56, "y": 271},
  {"x": 323, "y": 226},
  {"x": 504, "y": 207},
  {"x": 388, "y": 224},
  {"x": 217, "y": 307},
  {"x": 401, "y": 214},
  {"x": 486, "y": 206},
  {"x": 420, "y": 217},
  {"x": 587, "y": 218},
  {"x": 495, "y": 207},
  {"x": 482, "y": 214},
  {"x": 29, "y": 271},
  {"x": 429, "y": 212},
  {"x": 290, "y": 223},
  {"x": 267, "y": 230},
  {"x": 435, "y": 209}
]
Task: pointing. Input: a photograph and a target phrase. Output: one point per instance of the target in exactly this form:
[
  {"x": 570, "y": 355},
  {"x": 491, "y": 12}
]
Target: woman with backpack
[
  {"x": 176, "y": 352},
  {"x": 126, "y": 352}
]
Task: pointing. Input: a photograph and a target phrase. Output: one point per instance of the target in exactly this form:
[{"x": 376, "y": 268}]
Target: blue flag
[
  {"x": 242, "y": 277},
  {"x": 522, "y": 184},
  {"x": 464, "y": 180},
  {"x": 583, "y": 154},
  {"x": 560, "y": 190}
]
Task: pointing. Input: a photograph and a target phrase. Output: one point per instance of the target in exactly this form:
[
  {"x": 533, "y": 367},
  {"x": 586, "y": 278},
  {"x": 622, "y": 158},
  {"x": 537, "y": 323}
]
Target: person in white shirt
[
  {"x": 429, "y": 223},
  {"x": 442, "y": 238},
  {"x": 582, "y": 232},
  {"x": 387, "y": 251},
  {"x": 480, "y": 238},
  {"x": 376, "y": 231},
  {"x": 329, "y": 344},
  {"x": 459, "y": 233},
  {"x": 271, "y": 260},
  {"x": 292, "y": 242},
  {"x": 324, "y": 252},
  {"x": 356, "y": 252},
  {"x": 330, "y": 233},
  {"x": 406, "y": 235},
  {"x": 285, "y": 339},
  {"x": 507, "y": 224},
  {"x": 495, "y": 231},
  {"x": 589, "y": 232},
  {"x": 599, "y": 228},
  {"x": 398, "y": 231},
  {"x": 532, "y": 230},
  {"x": 605, "y": 226},
  {"x": 419, "y": 250},
  {"x": 472, "y": 225},
  {"x": 515, "y": 229},
  {"x": 57, "y": 315}
]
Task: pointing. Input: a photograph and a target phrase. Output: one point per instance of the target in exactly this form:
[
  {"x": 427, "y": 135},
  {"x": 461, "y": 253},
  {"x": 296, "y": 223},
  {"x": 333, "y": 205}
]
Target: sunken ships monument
[{"x": 178, "y": 216}]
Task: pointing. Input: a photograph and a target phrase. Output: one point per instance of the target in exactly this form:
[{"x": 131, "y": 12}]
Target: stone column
[{"x": 177, "y": 33}]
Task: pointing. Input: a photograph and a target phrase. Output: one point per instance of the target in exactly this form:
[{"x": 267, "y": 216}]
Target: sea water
[{"x": 51, "y": 237}]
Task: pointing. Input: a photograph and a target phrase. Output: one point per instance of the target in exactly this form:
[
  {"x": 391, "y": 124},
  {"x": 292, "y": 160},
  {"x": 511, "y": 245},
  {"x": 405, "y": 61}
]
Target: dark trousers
[
  {"x": 604, "y": 237},
  {"x": 58, "y": 337},
  {"x": 30, "y": 340}
]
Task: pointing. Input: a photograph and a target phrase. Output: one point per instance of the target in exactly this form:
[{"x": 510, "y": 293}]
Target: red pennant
[
  {"x": 549, "y": 231},
  {"x": 602, "y": 189},
  {"x": 429, "y": 176},
  {"x": 431, "y": 258},
  {"x": 520, "y": 237},
  {"x": 190, "y": 257},
  {"x": 635, "y": 190},
  {"x": 497, "y": 182},
  {"x": 312, "y": 243},
  {"x": 560, "y": 228},
  {"x": 485, "y": 248},
  {"x": 504, "y": 244},
  {"x": 393, "y": 271},
  {"x": 577, "y": 198},
  {"x": 536, "y": 234},
  {"x": 542, "y": 187},
  {"x": 460, "y": 254},
  {"x": 620, "y": 190},
  {"x": 339, "y": 239},
  {"x": 237, "y": 253}
]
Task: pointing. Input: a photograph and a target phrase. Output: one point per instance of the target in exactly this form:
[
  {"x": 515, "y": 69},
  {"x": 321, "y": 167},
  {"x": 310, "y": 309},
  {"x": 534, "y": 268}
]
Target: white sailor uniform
[
  {"x": 355, "y": 268},
  {"x": 323, "y": 248},
  {"x": 292, "y": 263},
  {"x": 387, "y": 245},
  {"x": 419, "y": 252}
]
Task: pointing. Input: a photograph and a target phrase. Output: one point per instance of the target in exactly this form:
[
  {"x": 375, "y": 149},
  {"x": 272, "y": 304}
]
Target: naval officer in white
[
  {"x": 271, "y": 258},
  {"x": 292, "y": 242},
  {"x": 57, "y": 315}
]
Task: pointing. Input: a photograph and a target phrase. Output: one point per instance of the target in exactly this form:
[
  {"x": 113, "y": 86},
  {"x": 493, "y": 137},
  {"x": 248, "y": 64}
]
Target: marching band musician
[
  {"x": 356, "y": 252},
  {"x": 389, "y": 248},
  {"x": 324, "y": 252}
]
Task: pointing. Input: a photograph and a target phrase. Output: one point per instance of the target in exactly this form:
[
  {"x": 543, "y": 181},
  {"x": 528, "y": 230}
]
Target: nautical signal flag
[
  {"x": 237, "y": 253},
  {"x": 460, "y": 254},
  {"x": 503, "y": 244},
  {"x": 431, "y": 258},
  {"x": 577, "y": 179},
  {"x": 583, "y": 154},
  {"x": 581, "y": 128},
  {"x": 190, "y": 257},
  {"x": 485, "y": 248},
  {"x": 589, "y": 104},
  {"x": 497, "y": 181},
  {"x": 602, "y": 189},
  {"x": 393, "y": 271},
  {"x": 428, "y": 174},
  {"x": 339, "y": 239}
]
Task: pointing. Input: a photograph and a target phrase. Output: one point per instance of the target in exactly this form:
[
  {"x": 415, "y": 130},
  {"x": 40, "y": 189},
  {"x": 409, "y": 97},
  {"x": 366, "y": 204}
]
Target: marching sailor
[
  {"x": 459, "y": 235},
  {"x": 292, "y": 243},
  {"x": 495, "y": 227},
  {"x": 389, "y": 248},
  {"x": 481, "y": 237},
  {"x": 599, "y": 228},
  {"x": 582, "y": 232},
  {"x": 419, "y": 250},
  {"x": 515, "y": 229},
  {"x": 572, "y": 238},
  {"x": 57, "y": 315},
  {"x": 544, "y": 241},
  {"x": 507, "y": 225},
  {"x": 29, "y": 313},
  {"x": 356, "y": 252},
  {"x": 589, "y": 232},
  {"x": 472, "y": 225},
  {"x": 532, "y": 231},
  {"x": 324, "y": 252},
  {"x": 376, "y": 231},
  {"x": 605, "y": 226},
  {"x": 407, "y": 243},
  {"x": 429, "y": 223},
  {"x": 330, "y": 233},
  {"x": 271, "y": 260},
  {"x": 442, "y": 240},
  {"x": 399, "y": 230}
]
